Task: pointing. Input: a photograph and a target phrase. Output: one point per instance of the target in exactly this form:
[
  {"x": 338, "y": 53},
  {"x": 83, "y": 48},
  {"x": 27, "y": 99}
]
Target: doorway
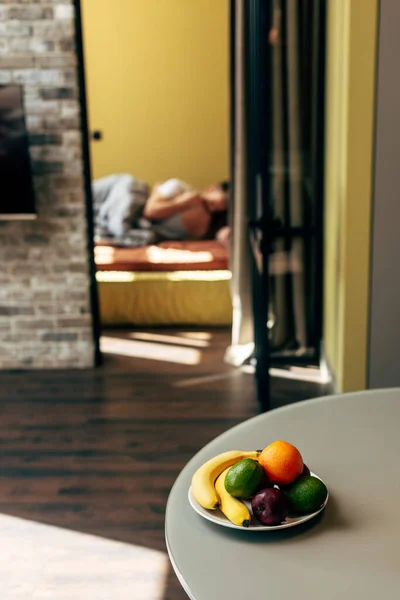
[
  {"x": 158, "y": 119},
  {"x": 157, "y": 80}
]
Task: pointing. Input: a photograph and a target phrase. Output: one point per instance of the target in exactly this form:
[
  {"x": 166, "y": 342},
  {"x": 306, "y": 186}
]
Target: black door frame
[
  {"x": 258, "y": 66},
  {"x": 263, "y": 229},
  {"x": 94, "y": 301}
]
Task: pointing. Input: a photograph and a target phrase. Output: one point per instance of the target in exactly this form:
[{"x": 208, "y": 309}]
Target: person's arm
[{"x": 161, "y": 207}]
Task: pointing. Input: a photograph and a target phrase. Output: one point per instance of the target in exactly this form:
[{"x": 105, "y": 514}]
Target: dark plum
[
  {"x": 270, "y": 506},
  {"x": 306, "y": 472}
]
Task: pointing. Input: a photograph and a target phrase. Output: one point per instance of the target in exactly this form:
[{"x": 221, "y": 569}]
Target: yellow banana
[
  {"x": 204, "y": 478},
  {"x": 235, "y": 510}
]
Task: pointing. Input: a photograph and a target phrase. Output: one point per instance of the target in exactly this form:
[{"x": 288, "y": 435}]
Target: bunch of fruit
[{"x": 275, "y": 479}]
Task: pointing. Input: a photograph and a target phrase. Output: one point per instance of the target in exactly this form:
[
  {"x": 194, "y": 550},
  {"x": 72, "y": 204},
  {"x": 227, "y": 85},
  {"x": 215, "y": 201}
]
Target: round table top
[{"x": 351, "y": 551}]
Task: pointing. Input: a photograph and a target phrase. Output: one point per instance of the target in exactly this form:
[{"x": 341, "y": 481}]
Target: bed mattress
[
  {"x": 205, "y": 255},
  {"x": 199, "y": 298}
]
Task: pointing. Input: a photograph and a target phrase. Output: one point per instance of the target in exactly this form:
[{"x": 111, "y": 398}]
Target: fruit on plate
[
  {"x": 235, "y": 510},
  {"x": 306, "y": 495},
  {"x": 282, "y": 462},
  {"x": 203, "y": 480},
  {"x": 244, "y": 478},
  {"x": 270, "y": 506}
]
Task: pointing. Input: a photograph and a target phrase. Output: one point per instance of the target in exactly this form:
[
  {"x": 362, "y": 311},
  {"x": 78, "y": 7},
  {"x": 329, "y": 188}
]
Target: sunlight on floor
[
  {"x": 169, "y": 339},
  {"x": 46, "y": 562},
  {"x": 311, "y": 374},
  {"x": 150, "y": 351},
  {"x": 196, "y": 335}
]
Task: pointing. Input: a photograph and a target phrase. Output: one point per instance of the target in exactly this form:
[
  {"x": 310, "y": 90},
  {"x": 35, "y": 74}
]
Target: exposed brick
[
  {"x": 26, "y": 76},
  {"x": 76, "y": 322},
  {"x": 14, "y": 29},
  {"x": 72, "y": 138},
  {"x": 16, "y": 310},
  {"x": 61, "y": 61},
  {"x": 40, "y": 167},
  {"x": 52, "y": 30},
  {"x": 45, "y": 319},
  {"x": 69, "y": 108},
  {"x": 41, "y": 107},
  {"x": 36, "y": 239},
  {"x": 22, "y": 61},
  {"x": 67, "y": 44},
  {"x": 69, "y": 77},
  {"x": 41, "y": 296},
  {"x": 41, "y": 139},
  {"x": 33, "y": 122},
  {"x": 62, "y": 123},
  {"x": 64, "y": 11},
  {"x": 29, "y": 44},
  {"x": 59, "y": 336},
  {"x": 29, "y": 13},
  {"x": 57, "y": 93},
  {"x": 34, "y": 323}
]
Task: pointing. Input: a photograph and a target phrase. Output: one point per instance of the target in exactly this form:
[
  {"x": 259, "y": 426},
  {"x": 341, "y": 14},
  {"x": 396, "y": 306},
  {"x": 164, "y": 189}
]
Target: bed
[{"x": 172, "y": 283}]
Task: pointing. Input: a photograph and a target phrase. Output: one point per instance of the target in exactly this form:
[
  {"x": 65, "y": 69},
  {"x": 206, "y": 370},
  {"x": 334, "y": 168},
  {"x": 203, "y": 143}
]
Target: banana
[
  {"x": 204, "y": 478},
  {"x": 235, "y": 510}
]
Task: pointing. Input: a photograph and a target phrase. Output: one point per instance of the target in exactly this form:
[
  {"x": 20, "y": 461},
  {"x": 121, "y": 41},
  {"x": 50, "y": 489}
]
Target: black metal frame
[
  {"x": 319, "y": 158},
  {"x": 259, "y": 127},
  {"x": 264, "y": 230},
  {"x": 87, "y": 182},
  {"x": 272, "y": 230}
]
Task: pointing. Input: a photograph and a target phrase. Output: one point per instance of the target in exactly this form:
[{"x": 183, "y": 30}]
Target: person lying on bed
[{"x": 178, "y": 212}]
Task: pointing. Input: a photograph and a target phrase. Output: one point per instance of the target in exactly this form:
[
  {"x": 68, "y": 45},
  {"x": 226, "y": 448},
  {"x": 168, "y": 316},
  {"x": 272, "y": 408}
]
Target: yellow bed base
[{"x": 170, "y": 298}]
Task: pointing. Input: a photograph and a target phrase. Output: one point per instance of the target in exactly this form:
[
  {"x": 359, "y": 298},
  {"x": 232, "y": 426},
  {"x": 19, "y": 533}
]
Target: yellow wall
[
  {"x": 157, "y": 78},
  {"x": 351, "y": 55}
]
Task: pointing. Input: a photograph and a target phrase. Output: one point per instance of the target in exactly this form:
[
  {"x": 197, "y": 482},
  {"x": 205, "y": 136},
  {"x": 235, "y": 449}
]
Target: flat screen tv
[{"x": 16, "y": 189}]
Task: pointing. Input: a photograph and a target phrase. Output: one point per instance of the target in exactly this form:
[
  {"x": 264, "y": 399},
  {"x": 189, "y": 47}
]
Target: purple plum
[{"x": 270, "y": 506}]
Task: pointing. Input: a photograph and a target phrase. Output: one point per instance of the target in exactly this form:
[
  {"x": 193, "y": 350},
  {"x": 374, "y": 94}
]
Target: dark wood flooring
[{"x": 98, "y": 451}]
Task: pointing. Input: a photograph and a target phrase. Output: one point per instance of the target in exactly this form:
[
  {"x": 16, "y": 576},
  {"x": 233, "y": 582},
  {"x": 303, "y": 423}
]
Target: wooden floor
[{"x": 97, "y": 451}]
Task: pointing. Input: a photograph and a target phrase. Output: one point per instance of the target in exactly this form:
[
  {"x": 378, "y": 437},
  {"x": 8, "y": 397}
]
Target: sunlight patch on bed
[
  {"x": 199, "y": 275},
  {"x": 174, "y": 255},
  {"x": 115, "y": 276},
  {"x": 104, "y": 255},
  {"x": 130, "y": 276},
  {"x": 150, "y": 351},
  {"x": 43, "y": 561}
]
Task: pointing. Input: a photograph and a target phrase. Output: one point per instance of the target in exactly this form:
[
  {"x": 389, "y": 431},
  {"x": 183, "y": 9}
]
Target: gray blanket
[{"x": 118, "y": 203}]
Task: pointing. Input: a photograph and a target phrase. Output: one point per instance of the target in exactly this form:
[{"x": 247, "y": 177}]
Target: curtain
[
  {"x": 293, "y": 31},
  {"x": 242, "y": 341}
]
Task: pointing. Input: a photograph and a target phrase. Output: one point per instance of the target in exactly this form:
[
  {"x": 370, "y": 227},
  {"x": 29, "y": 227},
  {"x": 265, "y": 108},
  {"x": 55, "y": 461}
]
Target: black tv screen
[{"x": 16, "y": 189}]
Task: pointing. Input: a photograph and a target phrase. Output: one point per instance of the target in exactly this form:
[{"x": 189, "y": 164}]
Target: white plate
[{"x": 216, "y": 516}]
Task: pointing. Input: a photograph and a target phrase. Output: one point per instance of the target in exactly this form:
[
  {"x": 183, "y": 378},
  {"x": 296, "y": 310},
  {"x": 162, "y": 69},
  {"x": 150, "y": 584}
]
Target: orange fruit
[{"x": 282, "y": 462}]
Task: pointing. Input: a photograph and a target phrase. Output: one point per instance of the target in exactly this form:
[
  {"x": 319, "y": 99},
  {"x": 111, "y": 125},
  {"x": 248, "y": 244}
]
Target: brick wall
[{"x": 45, "y": 319}]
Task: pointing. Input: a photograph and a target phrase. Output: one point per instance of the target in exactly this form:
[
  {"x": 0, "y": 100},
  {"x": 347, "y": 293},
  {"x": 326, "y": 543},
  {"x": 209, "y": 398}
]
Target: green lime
[
  {"x": 307, "y": 494},
  {"x": 243, "y": 479}
]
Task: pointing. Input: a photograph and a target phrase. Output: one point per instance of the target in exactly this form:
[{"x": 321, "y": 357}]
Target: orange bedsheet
[{"x": 204, "y": 255}]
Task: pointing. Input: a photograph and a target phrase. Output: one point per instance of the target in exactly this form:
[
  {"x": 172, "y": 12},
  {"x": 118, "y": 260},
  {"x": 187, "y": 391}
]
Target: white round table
[{"x": 352, "y": 551}]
